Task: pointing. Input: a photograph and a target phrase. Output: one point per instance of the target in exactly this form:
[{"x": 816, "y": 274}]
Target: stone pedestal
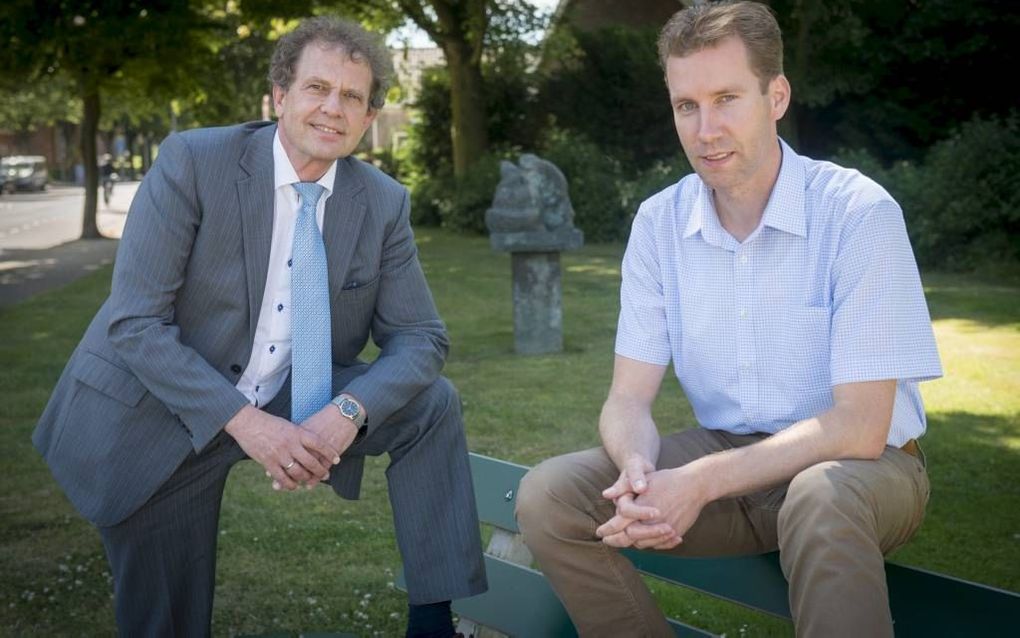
[
  {"x": 538, "y": 303},
  {"x": 537, "y": 285},
  {"x": 531, "y": 218}
]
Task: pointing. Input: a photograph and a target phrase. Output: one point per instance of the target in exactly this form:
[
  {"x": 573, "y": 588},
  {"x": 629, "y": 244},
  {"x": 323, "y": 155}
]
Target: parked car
[{"x": 24, "y": 172}]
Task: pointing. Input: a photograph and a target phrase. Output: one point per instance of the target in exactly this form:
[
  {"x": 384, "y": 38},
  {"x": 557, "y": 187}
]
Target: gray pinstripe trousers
[{"x": 163, "y": 557}]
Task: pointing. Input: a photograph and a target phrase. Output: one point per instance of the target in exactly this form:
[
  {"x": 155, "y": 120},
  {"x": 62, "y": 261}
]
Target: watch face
[{"x": 349, "y": 409}]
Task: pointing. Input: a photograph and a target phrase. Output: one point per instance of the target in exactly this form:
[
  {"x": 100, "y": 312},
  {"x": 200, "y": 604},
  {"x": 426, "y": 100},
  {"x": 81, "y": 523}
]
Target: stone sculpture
[
  {"x": 531, "y": 208},
  {"x": 531, "y": 217}
]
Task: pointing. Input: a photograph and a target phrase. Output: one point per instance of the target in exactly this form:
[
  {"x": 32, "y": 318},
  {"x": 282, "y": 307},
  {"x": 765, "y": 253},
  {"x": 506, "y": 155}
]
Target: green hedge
[
  {"x": 607, "y": 85},
  {"x": 962, "y": 202}
]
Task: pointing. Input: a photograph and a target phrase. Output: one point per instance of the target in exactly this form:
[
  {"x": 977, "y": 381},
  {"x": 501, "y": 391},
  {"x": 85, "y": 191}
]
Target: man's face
[
  {"x": 325, "y": 112},
  {"x": 727, "y": 127}
]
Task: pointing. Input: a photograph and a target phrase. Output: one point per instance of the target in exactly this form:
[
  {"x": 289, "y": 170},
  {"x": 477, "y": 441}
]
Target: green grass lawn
[{"x": 312, "y": 562}]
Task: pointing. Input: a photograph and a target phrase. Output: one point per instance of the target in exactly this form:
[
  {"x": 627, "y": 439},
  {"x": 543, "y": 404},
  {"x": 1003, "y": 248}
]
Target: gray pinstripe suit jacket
[{"x": 153, "y": 378}]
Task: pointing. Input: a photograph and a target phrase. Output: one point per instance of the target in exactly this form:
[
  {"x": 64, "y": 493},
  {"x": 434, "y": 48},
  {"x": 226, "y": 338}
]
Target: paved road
[{"x": 39, "y": 249}]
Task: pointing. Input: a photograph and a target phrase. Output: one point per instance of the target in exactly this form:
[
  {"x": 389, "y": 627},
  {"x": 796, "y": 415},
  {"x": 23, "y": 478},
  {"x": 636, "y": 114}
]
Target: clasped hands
[
  {"x": 654, "y": 509},
  {"x": 293, "y": 455}
]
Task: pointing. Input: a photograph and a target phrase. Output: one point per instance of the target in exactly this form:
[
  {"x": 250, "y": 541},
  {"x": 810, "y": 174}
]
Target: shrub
[
  {"x": 652, "y": 180},
  {"x": 507, "y": 102},
  {"x": 437, "y": 197},
  {"x": 962, "y": 203},
  {"x": 428, "y": 194},
  {"x": 971, "y": 193},
  {"x": 608, "y": 86},
  {"x": 594, "y": 179},
  {"x": 429, "y": 145},
  {"x": 462, "y": 208}
]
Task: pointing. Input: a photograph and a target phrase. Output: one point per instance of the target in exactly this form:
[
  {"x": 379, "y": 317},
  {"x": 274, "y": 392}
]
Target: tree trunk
[
  {"x": 128, "y": 169},
  {"x": 146, "y": 152},
  {"x": 67, "y": 162},
  {"x": 89, "y": 124},
  {"x": 470, "y": 134}
]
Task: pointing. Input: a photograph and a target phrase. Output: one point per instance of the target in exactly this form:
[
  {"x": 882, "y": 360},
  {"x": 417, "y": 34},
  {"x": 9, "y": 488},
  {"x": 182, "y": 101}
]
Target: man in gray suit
[{"x": 206, "y": 352}]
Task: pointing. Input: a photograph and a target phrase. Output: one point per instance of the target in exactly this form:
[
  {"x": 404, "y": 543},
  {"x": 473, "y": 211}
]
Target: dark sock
[{"x": 433, "y": 620}]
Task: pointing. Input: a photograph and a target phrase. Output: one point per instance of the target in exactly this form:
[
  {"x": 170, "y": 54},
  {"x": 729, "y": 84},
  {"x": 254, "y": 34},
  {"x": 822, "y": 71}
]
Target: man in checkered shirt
[{"x": 785, "y": 293}]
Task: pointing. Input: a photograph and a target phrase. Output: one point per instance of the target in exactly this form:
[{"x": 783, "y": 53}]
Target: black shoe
[{"x": 433, "y": 620}]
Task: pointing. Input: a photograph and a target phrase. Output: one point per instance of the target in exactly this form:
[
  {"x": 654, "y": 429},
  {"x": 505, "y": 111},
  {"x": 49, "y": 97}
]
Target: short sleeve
[
  {"x": 641, "y": 331},
  {"x": 880, "y": 327}
]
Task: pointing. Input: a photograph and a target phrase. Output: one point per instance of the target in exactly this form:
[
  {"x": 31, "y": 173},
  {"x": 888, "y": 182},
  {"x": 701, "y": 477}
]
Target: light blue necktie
[{"x": 311, "y": 351}]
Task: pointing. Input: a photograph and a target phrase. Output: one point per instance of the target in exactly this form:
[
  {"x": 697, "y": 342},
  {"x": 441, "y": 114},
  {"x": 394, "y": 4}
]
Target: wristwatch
[{"x": 351, "y": 410}]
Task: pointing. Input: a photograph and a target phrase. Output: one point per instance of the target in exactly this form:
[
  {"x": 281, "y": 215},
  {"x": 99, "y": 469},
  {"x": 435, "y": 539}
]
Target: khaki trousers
[{"x": 832, "y": 525}]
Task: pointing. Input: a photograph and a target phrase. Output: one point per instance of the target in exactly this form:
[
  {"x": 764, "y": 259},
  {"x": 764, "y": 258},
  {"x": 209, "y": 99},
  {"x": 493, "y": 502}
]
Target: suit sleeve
[
  {"x": 150, "y": 268},
  {"x": 406, "y": 327}
]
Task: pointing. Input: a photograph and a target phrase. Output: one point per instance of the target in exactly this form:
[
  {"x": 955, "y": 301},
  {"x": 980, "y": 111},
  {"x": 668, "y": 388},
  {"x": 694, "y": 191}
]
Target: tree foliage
[
  {"x": 962, "y": 199},
  {"x": 149, "y": 64},
  {"x": 467, "y": 31},
  {"x": 27, "y": 105},
  {"x": 893, "y": 77},
  {"x": 607, "y": 85},
  {"x": 90, "y": 43}
]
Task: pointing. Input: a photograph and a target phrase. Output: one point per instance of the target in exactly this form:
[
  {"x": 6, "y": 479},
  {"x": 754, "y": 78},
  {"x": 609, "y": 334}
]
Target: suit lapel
[
  {"x": 345, "y": 212},
  {"x": 256, "y": 198}
]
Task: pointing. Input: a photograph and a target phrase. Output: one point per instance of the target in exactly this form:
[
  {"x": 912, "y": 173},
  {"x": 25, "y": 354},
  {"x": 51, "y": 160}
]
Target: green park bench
[{"x": 520, "y": 601}]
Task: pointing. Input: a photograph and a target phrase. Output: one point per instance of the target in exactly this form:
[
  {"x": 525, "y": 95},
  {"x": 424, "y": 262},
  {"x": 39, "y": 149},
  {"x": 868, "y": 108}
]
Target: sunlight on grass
[
  {"x": 595, "y": 269},
  {"x": 982, "y": 369}
]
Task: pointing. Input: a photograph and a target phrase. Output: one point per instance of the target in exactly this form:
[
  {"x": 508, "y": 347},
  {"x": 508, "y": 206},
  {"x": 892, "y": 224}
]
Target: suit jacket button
[{"x": 236, "y": 369}]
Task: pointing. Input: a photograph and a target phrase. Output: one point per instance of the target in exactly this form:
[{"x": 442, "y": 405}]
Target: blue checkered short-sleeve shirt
[{"x": 826, "y": 291}]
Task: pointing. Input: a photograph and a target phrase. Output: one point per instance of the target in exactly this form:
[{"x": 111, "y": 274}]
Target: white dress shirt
[
  {"x": 270, "y": 355},
  {"x": 824, "y": 292}
]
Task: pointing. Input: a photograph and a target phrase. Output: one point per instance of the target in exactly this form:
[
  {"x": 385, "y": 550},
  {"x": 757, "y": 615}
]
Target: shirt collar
[
  {"x": 704, "y": 218},
  {"x": 784, "y": 211},
  {"x": 285, "y": 175}
]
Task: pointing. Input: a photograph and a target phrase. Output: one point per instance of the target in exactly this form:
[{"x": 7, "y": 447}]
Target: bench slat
[
  {"x": 928, "y": 604},
  {"x": 519, "y": 602},
  {"x": 496, "y": 484},
  {"x": 753, "y": 581}
]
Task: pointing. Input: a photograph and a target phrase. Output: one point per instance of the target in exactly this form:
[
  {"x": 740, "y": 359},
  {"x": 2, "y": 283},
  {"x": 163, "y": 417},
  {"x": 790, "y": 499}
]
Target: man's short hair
[
  {"x": 351, "y": 37},
  {"x": 705, "y": 25}
]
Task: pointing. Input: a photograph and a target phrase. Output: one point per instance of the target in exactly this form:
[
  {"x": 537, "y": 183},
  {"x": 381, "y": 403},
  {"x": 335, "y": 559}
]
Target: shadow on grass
[
  {"x": 972, "y": 526},
  {"x": 960, "y": 297}
]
